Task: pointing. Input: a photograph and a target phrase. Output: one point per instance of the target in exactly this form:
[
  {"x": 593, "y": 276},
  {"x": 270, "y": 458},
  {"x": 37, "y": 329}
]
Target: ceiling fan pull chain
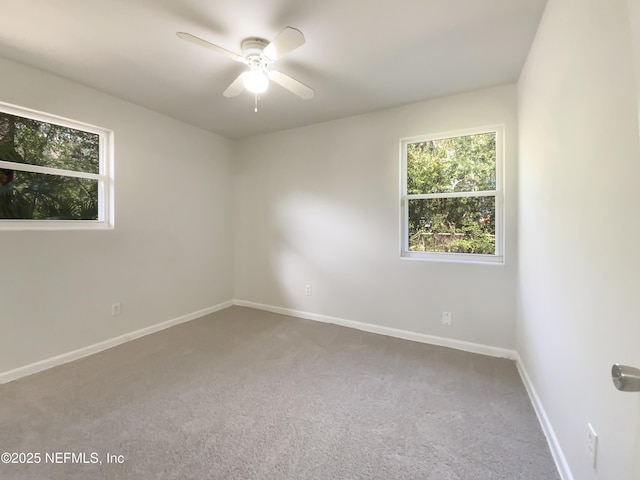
[{"x": 256, "y": 105}]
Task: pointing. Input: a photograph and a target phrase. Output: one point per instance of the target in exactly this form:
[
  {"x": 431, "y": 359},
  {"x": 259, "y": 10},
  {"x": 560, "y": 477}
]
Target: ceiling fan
[{"x": 259, "y": 55}]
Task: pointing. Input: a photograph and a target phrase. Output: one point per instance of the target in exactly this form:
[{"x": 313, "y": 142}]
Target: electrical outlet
[
  {"x": 592, "y": 445},
  {"x": 447, "y": 318},
  {"x": 307, "y": 290},
  {"x": 115, "y": 309}
]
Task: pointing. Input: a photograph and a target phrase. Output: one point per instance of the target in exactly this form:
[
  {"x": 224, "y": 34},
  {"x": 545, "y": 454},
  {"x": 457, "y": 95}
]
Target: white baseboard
[
  {"x": 545, "y": 423},
  {"x": 98, "y": 347},
  {"x": 391, "y": 332}
]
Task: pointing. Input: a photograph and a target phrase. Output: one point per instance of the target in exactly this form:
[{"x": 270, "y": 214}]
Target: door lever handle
[{"x": 625, "y": 378}]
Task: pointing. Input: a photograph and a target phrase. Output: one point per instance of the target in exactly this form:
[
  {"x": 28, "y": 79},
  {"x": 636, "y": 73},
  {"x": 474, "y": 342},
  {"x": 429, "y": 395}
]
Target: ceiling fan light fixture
[{"x": 256, "y": 81}]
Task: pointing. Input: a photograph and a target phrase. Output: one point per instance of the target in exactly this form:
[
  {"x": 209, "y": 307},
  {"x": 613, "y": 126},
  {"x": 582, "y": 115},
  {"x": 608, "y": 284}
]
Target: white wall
[
  {"x": 579, "y": 233},
  {"x": 634, "y": 21},
  {"x": 169, "y": 254},
  {"x": 319, "y": 205}
]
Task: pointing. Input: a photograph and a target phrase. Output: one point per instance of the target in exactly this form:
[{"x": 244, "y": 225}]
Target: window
[
  {"x": 451, "y": 196},
  {"x": 54, "y": 173}
]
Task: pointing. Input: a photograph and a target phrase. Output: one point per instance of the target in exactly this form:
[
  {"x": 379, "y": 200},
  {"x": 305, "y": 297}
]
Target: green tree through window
[
  {"x": 450, "y": 193},
  {"x": 48, "y": 171}
]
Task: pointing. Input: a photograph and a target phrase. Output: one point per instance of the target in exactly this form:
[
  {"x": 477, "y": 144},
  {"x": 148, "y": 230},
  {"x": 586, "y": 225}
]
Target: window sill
[
  {"x": 53, "y": 225},
  {"x": 453, "y": 257}
]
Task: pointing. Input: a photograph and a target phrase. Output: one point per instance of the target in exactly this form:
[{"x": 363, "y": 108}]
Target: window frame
[
  {"x": 104, "y": 176},
  {"x": 498, "y": 194}
]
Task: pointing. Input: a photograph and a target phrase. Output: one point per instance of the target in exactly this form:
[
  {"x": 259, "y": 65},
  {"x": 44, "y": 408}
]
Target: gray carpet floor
[{"x": 245, "y": 394}]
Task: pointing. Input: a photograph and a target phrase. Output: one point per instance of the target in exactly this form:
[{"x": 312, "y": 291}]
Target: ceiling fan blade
[
  {"x": 236, "y": 87},
  {"x": 203, "y": 43},
  {"x": 287, "y": 41},
  {"x": 291, "y": 84}
]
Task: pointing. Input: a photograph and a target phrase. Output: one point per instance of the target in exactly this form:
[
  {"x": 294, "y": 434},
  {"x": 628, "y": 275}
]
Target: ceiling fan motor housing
[{"x": 253, "y": 47}]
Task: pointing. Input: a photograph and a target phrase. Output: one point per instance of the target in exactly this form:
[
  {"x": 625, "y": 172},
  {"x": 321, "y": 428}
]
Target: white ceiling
[{"x": 359, "y": 56}]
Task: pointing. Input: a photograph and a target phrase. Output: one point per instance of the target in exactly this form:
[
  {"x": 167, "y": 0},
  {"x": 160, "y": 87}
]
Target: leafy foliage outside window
[
  {"x": 450, "y": 194},
  {"x": 48, "y": 171}
]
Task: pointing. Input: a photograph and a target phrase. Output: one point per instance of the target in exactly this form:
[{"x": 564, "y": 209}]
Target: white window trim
[
  {"x": 498, "y": 258},
  {"x": 104, "y": 177}
]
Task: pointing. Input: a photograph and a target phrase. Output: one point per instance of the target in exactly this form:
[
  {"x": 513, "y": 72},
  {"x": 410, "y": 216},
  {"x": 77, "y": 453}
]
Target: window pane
[
  {"x": 24, "y": 140},
  {"x": 456, "y": 225},
  {"x": 38, "y": 196},
  {"x": 458, "y": 164}
]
